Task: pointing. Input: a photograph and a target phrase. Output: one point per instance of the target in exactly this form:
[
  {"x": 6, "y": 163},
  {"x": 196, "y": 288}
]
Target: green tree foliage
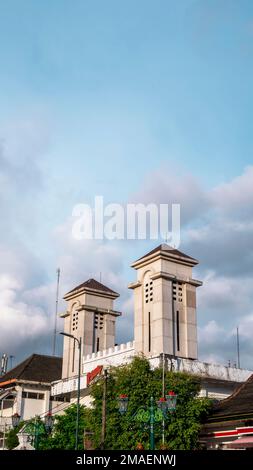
[
  {"x": 140, "y": 382},
  {"x": 11, "y": 438},
  {"x": 63, "y": 434}
]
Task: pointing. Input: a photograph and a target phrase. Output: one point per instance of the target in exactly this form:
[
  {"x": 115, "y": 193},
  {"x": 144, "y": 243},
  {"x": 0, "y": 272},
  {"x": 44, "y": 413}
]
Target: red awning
[{"x": 241, "y": 443}]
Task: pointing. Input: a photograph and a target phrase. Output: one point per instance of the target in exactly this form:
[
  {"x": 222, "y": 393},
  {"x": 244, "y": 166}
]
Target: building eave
[
  {"x": 166, "y": 256},
  {"x": 104, "y": 311},
  {"x": 87, "y": 290}
]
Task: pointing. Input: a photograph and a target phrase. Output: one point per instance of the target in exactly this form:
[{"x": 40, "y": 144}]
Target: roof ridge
[{"x": 46, "y": 355}]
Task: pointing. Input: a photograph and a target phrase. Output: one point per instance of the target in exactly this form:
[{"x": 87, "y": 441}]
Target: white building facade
[{"x": 165, "y": 326}]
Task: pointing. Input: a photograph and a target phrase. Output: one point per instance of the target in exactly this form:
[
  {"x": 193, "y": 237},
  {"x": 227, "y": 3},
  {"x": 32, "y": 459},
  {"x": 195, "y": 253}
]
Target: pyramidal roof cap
[
  {"x": 169, "y": 250},
  {"x": 93, "y": 285}
]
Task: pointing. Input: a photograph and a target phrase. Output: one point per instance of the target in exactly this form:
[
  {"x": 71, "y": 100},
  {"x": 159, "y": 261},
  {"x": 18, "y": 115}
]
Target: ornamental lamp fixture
[
  {"x": 48, "y": 421},
  {"x": 15, "y": 419},
  {"x": 162, "y": 404},
  {"x": 171, "y": 400},
  {"x": 123, "y": 403}
]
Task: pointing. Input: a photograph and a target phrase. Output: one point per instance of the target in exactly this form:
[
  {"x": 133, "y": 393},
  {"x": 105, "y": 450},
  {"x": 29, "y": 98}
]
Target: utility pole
[
  {"x": 238, "y": 347},
  {"x": 152, "y": 421},
  {"x": 79, "y": 343},
  {"x": 163, "y": 395},
  {"x": 56, "y": 310},
  {"x": 103, "y": 433}
]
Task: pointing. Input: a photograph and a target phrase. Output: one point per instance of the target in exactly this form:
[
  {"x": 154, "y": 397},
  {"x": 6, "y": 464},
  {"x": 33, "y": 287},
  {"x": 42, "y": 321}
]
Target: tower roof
[
  {"x": 169, "y": 252},
  {"x": 93, "y": 285}
]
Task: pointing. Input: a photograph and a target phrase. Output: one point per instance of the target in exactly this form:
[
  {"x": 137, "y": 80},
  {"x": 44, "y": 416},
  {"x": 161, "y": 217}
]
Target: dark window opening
[
  {"x": 149, "y": 332},
  {"x": 33, "y": 395},
  {"x": 73, "y": 359},
  {"x": 178, "y": 333},
  {"x": 97, "y": 344},
  {"x": 63, "y": 398}
]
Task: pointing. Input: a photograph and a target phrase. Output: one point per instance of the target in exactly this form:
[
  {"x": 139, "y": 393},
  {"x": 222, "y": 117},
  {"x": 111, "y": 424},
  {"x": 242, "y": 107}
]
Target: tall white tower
[
  {"x": 89, "y": 316},
  {"x": 165, "y": 303}
]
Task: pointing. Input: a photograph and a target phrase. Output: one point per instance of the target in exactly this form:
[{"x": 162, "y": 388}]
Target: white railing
[
  {"x": 67, "y": 385},
  {"x": 5, "y": 423}
]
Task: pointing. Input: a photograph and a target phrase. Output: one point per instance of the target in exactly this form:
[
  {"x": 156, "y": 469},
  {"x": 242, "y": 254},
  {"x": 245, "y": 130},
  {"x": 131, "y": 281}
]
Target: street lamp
[
  {"x": 48, "y": 422},
  {"x": 36, "y": 428},
  {"x": 15, "y": 419},
  {"x": 171, "y": 400},
  {"x": 123, "y": 403},
  {"x": 153, "y": 415},
  {"x": 79, "y": 342}
]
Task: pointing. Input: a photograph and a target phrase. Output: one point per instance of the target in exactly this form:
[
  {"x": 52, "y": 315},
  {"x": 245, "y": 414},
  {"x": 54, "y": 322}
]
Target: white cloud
[
  {"x": 80, "y": 260},
  {"x": 235, "y": 198},
  {"x": 220, "y": 237},
  {"x": 167, "y": 185},
  {"x": 21, "y": 321},
  {"x": 225, "y": 295}
]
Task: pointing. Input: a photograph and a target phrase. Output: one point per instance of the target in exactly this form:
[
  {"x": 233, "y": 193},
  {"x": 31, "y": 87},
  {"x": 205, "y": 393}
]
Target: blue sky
[{"x": 115, "y": 98}]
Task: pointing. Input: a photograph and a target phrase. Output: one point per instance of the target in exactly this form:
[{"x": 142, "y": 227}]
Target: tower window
[
  {"x": 149, "y": 332},
  {"x": 73, "y": 358},
  {"x": 177, "y": 290},
  {"x": 149, "y": 292},
  {"x": 178, "y": 332},
  {"x": 75, "y": 321}
]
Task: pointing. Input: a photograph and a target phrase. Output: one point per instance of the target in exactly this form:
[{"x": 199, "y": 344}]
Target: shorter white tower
[
  {"x": 165, "y": 304},
  {"x": 89, "y": 316}
]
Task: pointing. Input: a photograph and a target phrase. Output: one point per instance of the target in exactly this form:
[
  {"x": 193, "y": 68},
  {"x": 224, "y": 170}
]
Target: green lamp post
[{"x": 152, "y": 416}]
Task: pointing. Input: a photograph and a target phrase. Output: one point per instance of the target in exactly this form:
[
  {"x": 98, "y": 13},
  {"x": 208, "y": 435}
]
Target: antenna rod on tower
[
  {"x": 56, "y": 311},
  {"x": 238, "y": 347}
]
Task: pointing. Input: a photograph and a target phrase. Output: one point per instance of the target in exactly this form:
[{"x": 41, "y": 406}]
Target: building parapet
[
  {"x": 112, "y": 357},
  {"x": 206, "y": 370},
  {"x": 120, "y": 354},
  {"x": 123, "y": 354},
  {"x": 120, "y": 348}
]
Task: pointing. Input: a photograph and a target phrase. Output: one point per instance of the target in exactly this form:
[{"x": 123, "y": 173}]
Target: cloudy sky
[{"x": 147, "y": 101}]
